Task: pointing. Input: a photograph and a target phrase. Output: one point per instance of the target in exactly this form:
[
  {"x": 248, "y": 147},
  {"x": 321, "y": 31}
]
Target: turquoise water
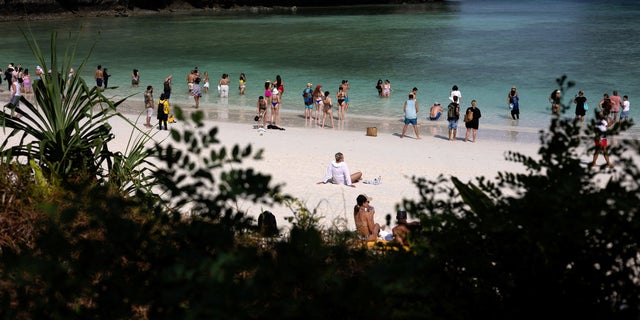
[{"x": 482, "y": 46}]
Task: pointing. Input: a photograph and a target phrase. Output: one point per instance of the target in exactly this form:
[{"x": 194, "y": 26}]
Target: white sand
[{"x": 298, "y": 156}]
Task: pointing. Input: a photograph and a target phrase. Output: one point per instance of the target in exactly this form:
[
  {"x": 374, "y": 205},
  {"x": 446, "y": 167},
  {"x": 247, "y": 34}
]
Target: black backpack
[{"x": 267, "y": 225}]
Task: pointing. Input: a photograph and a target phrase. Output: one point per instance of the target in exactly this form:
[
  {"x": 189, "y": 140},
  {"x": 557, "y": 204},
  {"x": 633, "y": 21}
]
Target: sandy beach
[{"x": 297, "y": 157}]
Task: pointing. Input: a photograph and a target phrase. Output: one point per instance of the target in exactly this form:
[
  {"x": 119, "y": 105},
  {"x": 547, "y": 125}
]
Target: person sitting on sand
[
  {"x": 338, "y": 173},
  {"x": 363, "y": 213},
  {"x": 403, "y": 228},
  {"x": 435, "y": 112}
]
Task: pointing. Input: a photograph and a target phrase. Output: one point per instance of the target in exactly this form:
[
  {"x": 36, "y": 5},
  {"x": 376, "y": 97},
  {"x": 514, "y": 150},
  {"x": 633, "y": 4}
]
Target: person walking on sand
[
  {"x": 99, "y": 77},
  {"x": 513, "y": 100},
  {"x": 326, "y": 107},
  {"x": 307, "y": 97},
  {"x": 472, "y": 116},
  {"x": 453, "y": 115},
  {"x": 196, "y": 92},
  {"x": 148, "y": 105},
  {"x": 338, "y": 173},
  {"x": 106, "y": 76},
  {"x": 363, "y": 214},
  {"x": 601, "y": 139},
  {"x": 410, "y": 108}
]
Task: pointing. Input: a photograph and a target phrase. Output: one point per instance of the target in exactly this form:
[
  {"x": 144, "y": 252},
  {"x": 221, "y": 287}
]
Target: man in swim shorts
[
  {"x": 435, "y": 112},
  {"x": 99, "y": 77}
]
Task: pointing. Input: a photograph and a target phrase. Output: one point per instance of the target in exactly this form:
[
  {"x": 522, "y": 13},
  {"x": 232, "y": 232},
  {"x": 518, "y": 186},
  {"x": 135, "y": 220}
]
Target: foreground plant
[{"x": 66, "y": 130}]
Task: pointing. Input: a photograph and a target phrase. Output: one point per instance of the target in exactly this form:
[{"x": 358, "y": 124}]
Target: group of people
[
  {"x": 472, "y": 115},
  {"x": 101, "y": 76},
  {"x": 268, "y": 105},
  {"x": 368, "y": 230},
  {"x": 323, "y": 104}
]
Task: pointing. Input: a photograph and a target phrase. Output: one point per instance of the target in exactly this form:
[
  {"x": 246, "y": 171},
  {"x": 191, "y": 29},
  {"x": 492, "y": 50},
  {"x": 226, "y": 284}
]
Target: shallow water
[{"x": 483, "y": 46}]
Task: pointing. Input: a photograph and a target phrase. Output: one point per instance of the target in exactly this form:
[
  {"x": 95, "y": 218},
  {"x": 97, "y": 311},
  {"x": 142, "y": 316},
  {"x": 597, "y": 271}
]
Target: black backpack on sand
[{"x": 267, "y": 225}]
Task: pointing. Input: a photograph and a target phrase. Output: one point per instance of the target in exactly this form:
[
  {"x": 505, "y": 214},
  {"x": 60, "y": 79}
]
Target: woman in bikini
[
  {"x": 275, "y": 106},
  {"x": 242, "y": 83},
  {"x": 317, "y": 99},
  {"x": 340, "y": 96},
  {"x": 327, "y": 105}
]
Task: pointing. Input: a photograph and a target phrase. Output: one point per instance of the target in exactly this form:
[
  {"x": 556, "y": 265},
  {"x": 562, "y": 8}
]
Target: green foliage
[
  {"x": 66, "y": 131},
  {"x": 555, "y": 239}
]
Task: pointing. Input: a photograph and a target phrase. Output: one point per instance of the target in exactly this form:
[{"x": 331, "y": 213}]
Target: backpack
[
  {"x": 267, "y": 225},
  {"x": 451, "y": 112}
]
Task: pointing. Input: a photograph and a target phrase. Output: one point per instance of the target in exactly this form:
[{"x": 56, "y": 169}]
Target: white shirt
[{"x": 338, "y": 173}]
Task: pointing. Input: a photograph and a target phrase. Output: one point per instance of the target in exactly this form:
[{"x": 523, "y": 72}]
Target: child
[
  {"x": 261, "y": 110},
  {"x": 624, "y": 115}
]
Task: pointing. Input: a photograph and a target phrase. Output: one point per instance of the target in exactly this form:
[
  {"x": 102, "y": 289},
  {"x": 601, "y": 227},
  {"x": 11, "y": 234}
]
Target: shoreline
[{"x": 297, "y": 157}]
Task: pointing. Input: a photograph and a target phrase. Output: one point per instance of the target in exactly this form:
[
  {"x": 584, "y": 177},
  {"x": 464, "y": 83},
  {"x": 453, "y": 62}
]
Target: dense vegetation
[{"x": 84, "y": 232}]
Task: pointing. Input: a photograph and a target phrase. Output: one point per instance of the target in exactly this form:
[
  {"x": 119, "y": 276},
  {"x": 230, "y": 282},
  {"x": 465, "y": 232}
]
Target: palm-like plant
[{"x": 66, "y": 129}]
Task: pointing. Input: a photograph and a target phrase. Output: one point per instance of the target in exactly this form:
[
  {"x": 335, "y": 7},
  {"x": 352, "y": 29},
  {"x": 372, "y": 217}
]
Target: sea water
[{"x": 482, "y": 46}]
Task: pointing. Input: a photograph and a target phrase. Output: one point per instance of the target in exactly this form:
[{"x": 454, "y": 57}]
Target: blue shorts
[
  {"x": 453, "y": 124},
  {"x": 411, "y": 121},
  {"x": 308, "y": 106},
  {"x": 436, "y": 117},
  {"x": 624, "y": 115}
]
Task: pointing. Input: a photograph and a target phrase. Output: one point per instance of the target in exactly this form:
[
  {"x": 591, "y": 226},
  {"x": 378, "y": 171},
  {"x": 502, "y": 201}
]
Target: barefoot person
[
  {"x": 435, "y": 112},
  {"x": 473, "y": 121},
  {"x": 148, "y": 105},
  {"x": 327, "y": 105},
  {"x": 338, "y": 173},
  {"x": 601, "y": 139},
  {"x": 363, "y": 214},
  {"x": 410, "y": 116}
]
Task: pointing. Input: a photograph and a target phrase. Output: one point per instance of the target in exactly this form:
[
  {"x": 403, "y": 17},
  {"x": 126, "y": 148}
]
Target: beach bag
[
  {"x": 267, "y": 225},
  {"x": 469, "y": 116},
  {"x": 586, "y": 106}
]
